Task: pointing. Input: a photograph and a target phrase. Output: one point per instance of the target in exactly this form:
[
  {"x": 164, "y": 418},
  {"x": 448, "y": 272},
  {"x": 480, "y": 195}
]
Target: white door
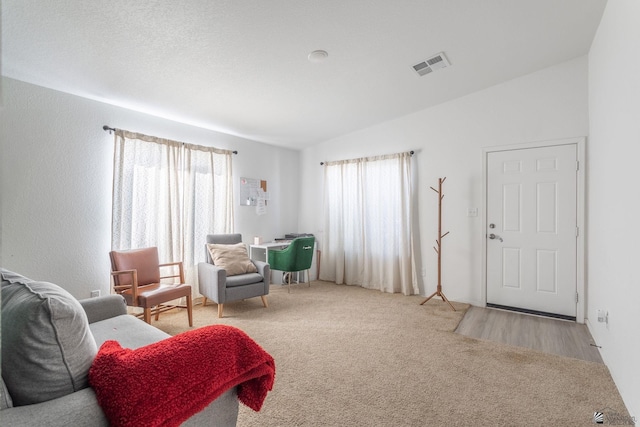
[{"x": 532, "y": 228}]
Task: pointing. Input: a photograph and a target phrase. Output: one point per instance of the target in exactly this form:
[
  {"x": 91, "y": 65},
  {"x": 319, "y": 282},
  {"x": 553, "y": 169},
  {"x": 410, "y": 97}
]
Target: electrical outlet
[
  {"x": 95, "y": 294},
  {"x": 424, "y": 272}
]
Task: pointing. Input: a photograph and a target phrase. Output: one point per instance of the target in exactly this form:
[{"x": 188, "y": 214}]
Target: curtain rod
[
  {"x": 110, "y": 129},
  {"x": 410, "y": 152}
]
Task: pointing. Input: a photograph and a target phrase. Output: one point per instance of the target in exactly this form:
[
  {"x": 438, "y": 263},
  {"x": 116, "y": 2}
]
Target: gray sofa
[{"x": 41, "y": 318}]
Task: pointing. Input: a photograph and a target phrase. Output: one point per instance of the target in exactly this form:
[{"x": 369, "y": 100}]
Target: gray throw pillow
[{"x": 47, "y": 347}]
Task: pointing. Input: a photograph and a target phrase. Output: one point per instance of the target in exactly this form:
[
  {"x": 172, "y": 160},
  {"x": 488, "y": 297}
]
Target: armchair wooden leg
[
  {"x": 147, "y": 315},
  {"x": 264, "y": 301},
  {"x": 157, "y": 313},
  {"x": 204, "y": 301},
  {"x": 190, "y": 310},
  {"x": 220, "y": 310}
]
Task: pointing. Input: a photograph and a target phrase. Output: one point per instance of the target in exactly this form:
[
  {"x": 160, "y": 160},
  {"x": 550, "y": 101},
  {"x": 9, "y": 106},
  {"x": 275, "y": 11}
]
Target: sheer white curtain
[
  {"x": 170, "y": 195},
  {"x": 208, "y": 200},
  {"x": 368, "y": 237}
]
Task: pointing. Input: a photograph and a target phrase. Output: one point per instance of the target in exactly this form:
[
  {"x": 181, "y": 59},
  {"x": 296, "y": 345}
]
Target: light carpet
[{"x": 348, "y": 356}]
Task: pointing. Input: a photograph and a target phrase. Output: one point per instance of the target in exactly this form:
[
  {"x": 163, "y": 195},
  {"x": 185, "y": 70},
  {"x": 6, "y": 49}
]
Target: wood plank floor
[{"x": 561, "y": 337}]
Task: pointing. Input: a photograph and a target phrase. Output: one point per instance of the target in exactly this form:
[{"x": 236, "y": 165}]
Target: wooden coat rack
[{"x": 438, "y": 247}]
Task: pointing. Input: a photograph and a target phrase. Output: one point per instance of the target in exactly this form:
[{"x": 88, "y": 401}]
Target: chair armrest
[
  {"x": 134, "y": 283},
  {"x": 280, "y": 252},
  {"x": 104, "y": 307},
  {"x": 82, "y": 409},
  {"x": 76, "y": 409},
  {"x": 280, "y": 258},
  {"x": 263, "y": 268},
  {"x": 212, "y": 281},
  {"x": 180, "y": 274}
]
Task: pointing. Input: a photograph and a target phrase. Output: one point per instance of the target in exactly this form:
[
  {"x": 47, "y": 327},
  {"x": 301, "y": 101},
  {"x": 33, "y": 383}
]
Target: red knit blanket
[{"x": 164, "y": 383}]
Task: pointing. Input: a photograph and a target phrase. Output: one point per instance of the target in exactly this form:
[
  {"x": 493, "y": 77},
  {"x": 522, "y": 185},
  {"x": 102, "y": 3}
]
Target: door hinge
[
  {"x": 577, "y": 165},
  {"x": 577, "y": 297},
  {"x": 577, "y": 231}
]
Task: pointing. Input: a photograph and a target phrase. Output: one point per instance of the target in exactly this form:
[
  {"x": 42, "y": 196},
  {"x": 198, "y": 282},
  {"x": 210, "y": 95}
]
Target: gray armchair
[{"x": 217, "y": 285}]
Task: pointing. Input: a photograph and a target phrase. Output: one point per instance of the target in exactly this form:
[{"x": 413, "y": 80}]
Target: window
[
  {"x": 368, "y": 224},
  {"x": 170, "y": 195}
]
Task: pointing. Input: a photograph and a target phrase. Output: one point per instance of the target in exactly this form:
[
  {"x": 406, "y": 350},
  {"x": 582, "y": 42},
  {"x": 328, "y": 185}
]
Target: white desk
[{"x": 261, "y": 252}]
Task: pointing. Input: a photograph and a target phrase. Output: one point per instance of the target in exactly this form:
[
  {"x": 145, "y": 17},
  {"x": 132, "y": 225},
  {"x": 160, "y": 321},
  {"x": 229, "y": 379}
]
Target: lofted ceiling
[{"x": 241, "y": 66}]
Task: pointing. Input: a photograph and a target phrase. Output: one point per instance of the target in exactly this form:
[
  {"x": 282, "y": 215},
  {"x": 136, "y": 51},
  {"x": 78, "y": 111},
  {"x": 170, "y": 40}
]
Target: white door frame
[{"x": 580, "y": 143}]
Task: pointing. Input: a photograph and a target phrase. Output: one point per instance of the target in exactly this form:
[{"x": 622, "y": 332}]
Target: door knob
[{"x": 493, "y": 236}]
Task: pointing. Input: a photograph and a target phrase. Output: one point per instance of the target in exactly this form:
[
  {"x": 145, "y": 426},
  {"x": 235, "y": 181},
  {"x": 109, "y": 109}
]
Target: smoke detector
[
  {"x": 434, "y": 63},
  {"x": 318, "y": 55}
]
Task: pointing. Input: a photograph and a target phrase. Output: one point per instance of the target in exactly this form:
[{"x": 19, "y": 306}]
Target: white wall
[
  {"x": 613, "y": 195},
  {"x": 56, "y": 183},
  {"x": 448, "y": 140}
]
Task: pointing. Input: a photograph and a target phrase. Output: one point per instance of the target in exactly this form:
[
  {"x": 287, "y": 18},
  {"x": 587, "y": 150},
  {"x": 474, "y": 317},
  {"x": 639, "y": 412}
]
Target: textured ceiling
[{"x": 241, "y": 66}]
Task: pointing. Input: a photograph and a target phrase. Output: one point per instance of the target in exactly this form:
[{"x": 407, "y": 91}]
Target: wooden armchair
[{"x": 136, "y": 276}]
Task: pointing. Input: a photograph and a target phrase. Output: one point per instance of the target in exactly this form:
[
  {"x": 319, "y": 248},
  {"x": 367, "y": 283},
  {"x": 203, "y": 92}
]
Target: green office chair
[{"x": 295, "y": 257}]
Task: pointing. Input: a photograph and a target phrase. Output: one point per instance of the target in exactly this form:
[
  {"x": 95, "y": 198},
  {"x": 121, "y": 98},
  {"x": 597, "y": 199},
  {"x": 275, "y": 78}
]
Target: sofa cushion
[
  {"x": 129, "y": 331},
  {"x": 232, "y": 258},
  {"x": 244, "y": 279},
  {"x": 47, "y": 347}
]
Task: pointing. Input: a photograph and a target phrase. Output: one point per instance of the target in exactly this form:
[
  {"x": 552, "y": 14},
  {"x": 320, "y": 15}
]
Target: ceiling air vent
[{"x": 434, "y": 63}]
